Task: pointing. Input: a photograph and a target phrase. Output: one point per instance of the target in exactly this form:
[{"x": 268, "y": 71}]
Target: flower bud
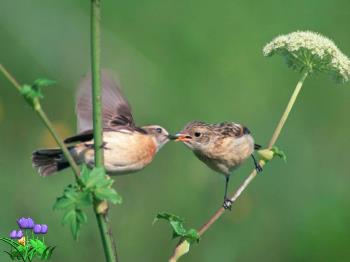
[
  {"x": 37, "y": 229},
  {"x": 19, "y": 234},
  {"x": 44, "y": 229},
  {"x": 30, "y": 222},
  {"x": 22, "y": 223},
  {"x": 13, "y": 234}
]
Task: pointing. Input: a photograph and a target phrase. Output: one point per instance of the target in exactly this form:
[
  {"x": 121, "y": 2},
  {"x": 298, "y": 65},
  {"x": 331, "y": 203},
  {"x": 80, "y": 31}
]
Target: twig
[
  {"x": 108, "y": 241},
  {"x": 43, "y": 117},
  {"x": 253, "y": 174}
]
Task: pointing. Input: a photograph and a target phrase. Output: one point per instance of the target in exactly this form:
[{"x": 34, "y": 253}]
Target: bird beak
[
  {"x": 182, "y": 138},
  {"x": 172, "y": 137}
]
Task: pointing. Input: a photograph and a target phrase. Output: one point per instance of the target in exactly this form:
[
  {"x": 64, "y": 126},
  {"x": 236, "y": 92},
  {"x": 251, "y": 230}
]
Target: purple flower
[
  {"x": 30, "y": 222},
  {"x": 22, "y": 222},
  {"x": 37, "y": 229},
  {"x": 19, "y": 234},
  {"x": 13, "y": 234},
  {"x": 25, "y": 223},
  {"x": 44, "y": 229}
]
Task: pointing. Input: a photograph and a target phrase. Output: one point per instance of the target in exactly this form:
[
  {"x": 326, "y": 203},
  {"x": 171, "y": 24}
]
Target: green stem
[
  {"x": 96, "y": 79},
  {"x": 37, "y": 108},
  {"x": 58, "y": 140},
  {"x": 253, "y": 174},
  {"x": 288, "y": 109},
  {"x": 102, "y": 217}
]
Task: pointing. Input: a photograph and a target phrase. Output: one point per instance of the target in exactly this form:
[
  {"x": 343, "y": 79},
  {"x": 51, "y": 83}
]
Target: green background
[{"x": 180, "y": 61}]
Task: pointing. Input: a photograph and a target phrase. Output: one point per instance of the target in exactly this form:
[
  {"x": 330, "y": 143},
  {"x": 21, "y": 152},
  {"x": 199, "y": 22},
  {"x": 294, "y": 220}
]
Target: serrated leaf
[
  {"x": 91, "y": 178},
  {"x": 81, "y": 216},
  {"x": 108, "y": 194},
  {"x": 178, "y": 227},
  {"x": 63, "y": 203},
  {"x": 84, "y": 199},
  {"x": 74, "y": 217},
  {"x": 68, "y": 216}
]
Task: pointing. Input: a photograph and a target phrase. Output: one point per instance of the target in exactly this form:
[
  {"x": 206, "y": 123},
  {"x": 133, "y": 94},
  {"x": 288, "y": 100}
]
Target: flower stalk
[{"x": 308, "y": 52}]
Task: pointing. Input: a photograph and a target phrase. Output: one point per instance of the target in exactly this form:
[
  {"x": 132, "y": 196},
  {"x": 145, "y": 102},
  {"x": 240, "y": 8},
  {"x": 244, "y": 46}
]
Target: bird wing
[
  {"x": 233, "y": 129},
  {"x": 88, "y": 135},
  {"x": 116, "y": 110}
]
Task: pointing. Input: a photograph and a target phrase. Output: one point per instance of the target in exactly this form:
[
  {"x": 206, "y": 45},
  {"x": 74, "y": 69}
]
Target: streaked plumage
[
  {"x": 127, "y": 148},
  {"x": 223, "y": 147}
]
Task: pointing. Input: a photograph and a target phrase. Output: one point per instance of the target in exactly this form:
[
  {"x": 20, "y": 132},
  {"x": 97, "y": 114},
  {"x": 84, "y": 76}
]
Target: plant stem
[
  {"x": 10, "y": 77},
  {"x": 43, "y": 117},
  {"x": 253, "y": 174},
  {"x": 286, "y": 112},
  {"x": 96, "y": 79},
  {"x": 58, "y": 140},
  {"x": 102, "y": 217}
]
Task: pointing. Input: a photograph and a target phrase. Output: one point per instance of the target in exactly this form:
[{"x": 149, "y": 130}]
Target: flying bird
[
  {"x": 223, "y": 147},
  {"x": 127, "y": 148}
]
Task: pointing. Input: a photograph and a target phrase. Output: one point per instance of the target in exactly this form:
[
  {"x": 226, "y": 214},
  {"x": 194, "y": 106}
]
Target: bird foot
[
  {"x": 227, "y": 204},
  {"x": 258, "y": 168}
]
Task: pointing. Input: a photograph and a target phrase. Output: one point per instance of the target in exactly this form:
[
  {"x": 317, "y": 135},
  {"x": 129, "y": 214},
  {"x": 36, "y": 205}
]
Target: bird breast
[
  {"x": 124, "y": 152},
  {"x": 226, "y": 154}
]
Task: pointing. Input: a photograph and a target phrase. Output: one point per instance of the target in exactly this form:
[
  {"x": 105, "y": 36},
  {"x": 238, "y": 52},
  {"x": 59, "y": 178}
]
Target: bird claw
[
  {"x": 227, "y": 204},
  {"x": 258, "y": 168}
]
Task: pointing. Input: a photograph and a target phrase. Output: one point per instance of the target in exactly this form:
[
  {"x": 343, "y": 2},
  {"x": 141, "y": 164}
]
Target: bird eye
[
  {"x": 197, "y": 134},
  {"x": 159, "y": 130}
]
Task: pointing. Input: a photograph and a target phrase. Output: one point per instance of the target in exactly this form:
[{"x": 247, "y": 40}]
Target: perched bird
[
  {"x": 223, "y": 147},
  {"x": 127, "y": 148}
]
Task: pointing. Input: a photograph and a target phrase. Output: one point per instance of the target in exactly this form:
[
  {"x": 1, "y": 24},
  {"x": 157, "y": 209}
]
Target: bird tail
[
  {"x": 49, "y": 161},
  {"x": 256, "y": 146}
]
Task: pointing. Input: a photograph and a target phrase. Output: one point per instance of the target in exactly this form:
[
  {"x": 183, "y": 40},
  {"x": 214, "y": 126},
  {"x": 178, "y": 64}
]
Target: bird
[
  {"x": 223, "y": 147},
  {"x": 127, "y": 148}
]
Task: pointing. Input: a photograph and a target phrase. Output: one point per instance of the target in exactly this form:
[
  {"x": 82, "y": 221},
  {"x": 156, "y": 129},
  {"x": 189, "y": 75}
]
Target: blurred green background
[{"x": 180, "y": 61}]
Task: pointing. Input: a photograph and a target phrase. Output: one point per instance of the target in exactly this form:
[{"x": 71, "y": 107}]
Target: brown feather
[{"x": 116, "y": 110}]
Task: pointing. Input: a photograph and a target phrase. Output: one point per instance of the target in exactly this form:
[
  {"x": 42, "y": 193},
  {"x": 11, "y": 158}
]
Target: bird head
[
  {"x": 195, "y": 135},
  {"x": 159, "y": 134}
]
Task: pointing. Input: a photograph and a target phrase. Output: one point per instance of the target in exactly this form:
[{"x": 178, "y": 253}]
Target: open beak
[
  {"x": 172, "y": 137},
  {"x": 182, "y": 138}
]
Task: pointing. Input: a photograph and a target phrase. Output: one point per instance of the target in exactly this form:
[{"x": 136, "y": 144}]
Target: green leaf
[
  {"x": 84, "y": 199},
  {"x": 18, "y": 248},
  {"x": 43, "y": 82},
  {"x": 177, "y": 224},
  {"x": 47, "y": 253},
  {"x": 63, "y": 203},
  {"x": 269, "y": 154},
  {"x": 279, "y": 153},
  {"x": 109, "y": 194},
  {"x": 81, "y": 216},
  {"x": 75, "y": 217}
]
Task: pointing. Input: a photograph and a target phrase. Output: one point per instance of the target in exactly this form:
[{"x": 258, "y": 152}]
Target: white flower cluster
[{"x": 310, "y": 51}]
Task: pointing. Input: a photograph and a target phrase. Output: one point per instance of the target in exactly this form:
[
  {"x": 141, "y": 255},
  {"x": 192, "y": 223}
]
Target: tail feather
[{"x": 49, "y": 161}]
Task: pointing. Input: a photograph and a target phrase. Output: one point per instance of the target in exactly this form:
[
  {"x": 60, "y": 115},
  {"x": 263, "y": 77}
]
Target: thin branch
[
  {"x": 253, "y": 174},
  {"x": 10, "y": 77},
  {"x": 43, "y": 117},
  {"x": 108, "y": 241}
]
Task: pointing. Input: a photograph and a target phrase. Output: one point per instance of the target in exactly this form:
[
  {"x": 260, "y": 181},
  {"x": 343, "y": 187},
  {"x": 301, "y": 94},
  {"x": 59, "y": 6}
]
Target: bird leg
[
  {"x": 256, "y": 164},
  {"x": 227, "y": 202}
]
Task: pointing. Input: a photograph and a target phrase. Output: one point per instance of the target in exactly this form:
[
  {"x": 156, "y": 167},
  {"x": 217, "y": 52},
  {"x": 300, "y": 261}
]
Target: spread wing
[{"x": 116, "y": 109}]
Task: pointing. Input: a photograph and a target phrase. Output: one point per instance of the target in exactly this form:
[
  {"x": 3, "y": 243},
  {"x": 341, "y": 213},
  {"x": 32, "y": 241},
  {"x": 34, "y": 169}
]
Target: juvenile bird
[
  {"x": 223, "y": 147},
  {"x": 127, "y": 148}
]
